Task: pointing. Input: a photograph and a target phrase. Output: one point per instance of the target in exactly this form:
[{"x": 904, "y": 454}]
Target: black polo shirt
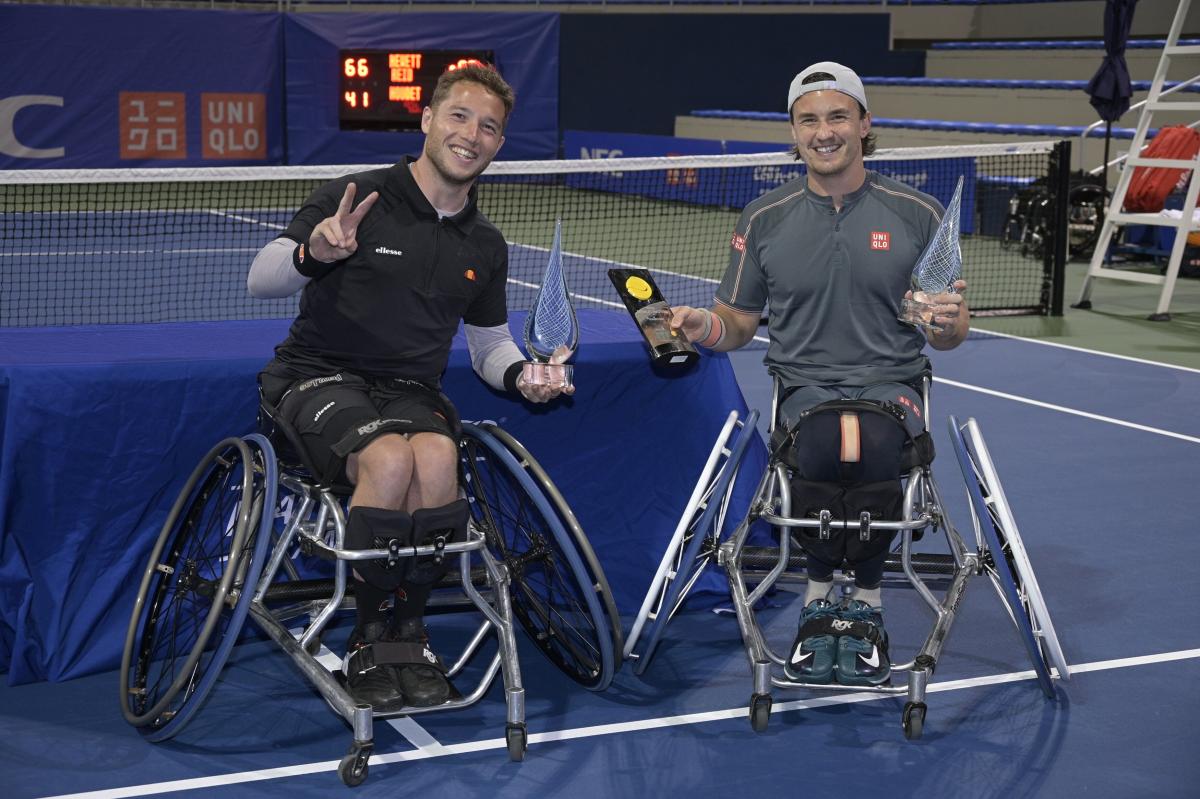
[{"x": 392, "y": 308}]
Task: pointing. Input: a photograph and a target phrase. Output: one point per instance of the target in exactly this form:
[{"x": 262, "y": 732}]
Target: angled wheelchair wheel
[
  {"x": 566, "y": 516},
  {"x": 1003, "y": 555},
  {"x": 197, "y": 587},
  {"x": 555, "y": 597},
  {"x": 694, "y": 543}
]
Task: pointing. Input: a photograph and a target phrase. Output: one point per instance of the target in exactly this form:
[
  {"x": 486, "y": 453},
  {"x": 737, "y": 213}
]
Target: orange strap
[{"x": 851, "y": 441}]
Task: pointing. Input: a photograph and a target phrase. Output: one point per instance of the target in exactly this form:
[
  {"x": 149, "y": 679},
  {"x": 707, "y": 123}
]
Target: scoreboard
[{"x": 387, "y": 89}]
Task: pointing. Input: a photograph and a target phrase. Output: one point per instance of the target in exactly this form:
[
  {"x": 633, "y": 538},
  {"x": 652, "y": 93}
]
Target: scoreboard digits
[{"x": 387, "y": 89}]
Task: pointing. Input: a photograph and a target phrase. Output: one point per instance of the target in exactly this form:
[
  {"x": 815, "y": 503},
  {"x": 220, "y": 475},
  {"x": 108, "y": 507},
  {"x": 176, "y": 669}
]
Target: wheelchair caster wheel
[
  {"x": 760, "y": 711},
  {"x": 516, "y": 739},
  {"x": 353, "y": 768},
  {"x": 914, "y": 720}
]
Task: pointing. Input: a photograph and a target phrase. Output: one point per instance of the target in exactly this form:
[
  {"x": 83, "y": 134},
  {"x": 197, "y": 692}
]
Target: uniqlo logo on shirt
[
  {"x": 881, "y": 240},
  {"x": 738, "y": 243}
]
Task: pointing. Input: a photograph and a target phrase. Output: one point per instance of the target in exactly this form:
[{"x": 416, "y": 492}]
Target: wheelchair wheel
[
  {"x": 1003, "y": 555},
  {"x": 198, "y": 586},
  {"x": 566, "y": 516},
  {"x": 694, "y": 545},
  {"x": 553, "y": 594}
]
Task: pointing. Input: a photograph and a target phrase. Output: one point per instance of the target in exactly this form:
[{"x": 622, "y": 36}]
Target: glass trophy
[
  {"x": 937, "y": 268},
  {"x": 652, "y": 314},
  {"x": 551, "y": 329}
]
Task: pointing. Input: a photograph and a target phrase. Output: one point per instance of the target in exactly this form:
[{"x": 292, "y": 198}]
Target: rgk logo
[
  {"x": 881, "y": 240},
  {"x": 738, "y": 243}
]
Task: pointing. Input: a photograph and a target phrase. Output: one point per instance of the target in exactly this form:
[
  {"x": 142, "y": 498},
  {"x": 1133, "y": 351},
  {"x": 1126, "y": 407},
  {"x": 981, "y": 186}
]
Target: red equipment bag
[{"x": 1150, "y": 185}]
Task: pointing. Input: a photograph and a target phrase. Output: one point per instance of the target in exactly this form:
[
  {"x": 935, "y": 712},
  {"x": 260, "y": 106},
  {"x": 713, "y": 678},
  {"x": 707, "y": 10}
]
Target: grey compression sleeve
[
  {"x": 495, "y": 356},
  {"x": 272, "y": 274}
]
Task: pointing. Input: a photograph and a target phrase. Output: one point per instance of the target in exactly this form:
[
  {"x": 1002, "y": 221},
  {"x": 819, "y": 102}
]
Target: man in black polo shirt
[
  {"x": 832, "y": 254},
  {"x": 385, "y": 285}
]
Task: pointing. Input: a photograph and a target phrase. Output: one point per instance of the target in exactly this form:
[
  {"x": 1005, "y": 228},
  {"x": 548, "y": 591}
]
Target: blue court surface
[{"x": 1098, "y": 457}]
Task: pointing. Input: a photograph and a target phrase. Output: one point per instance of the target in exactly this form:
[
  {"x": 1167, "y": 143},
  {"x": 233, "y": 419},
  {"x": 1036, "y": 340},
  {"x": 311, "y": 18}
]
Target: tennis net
[{"x": 163, "y": 245}]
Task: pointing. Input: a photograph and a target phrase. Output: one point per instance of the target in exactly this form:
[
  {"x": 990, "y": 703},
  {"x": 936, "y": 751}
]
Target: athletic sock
[
  {"x": 370, "y": 603},
  {"x": 872, "y": 596},
  {"x": 817, "y": 589},
  {"x": 411, "y": 601}
]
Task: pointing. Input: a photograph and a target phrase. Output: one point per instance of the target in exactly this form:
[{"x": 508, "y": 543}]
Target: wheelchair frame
[
  {"x": 210, "y": 569},
  {"x": 999, "y": 553}
]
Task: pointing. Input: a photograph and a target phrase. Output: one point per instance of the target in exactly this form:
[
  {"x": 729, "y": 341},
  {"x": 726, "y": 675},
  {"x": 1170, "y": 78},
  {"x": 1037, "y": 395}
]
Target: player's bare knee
[{"x": 388, "y": 461}]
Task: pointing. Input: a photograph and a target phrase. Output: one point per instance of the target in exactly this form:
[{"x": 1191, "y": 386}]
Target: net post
[{"x": 1056, "y": 255}]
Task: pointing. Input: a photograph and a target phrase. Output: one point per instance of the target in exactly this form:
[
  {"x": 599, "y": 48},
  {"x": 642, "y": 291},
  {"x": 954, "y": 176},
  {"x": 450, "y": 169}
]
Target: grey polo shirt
[{"x": 833, "y": 280}]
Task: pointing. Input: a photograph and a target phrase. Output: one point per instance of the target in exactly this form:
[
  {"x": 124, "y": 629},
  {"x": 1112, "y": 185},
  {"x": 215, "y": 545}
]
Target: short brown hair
[{"x": 483, "y": 74}]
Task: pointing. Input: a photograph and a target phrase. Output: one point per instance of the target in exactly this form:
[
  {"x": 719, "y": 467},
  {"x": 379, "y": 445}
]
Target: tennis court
[{"x": 1093, "y": 450}]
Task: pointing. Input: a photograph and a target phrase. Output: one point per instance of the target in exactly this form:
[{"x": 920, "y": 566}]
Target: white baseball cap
[{"x": 844, "y": 81}]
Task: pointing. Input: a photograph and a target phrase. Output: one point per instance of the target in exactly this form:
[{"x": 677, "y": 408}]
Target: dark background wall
[{"x": 634, "y": 73}]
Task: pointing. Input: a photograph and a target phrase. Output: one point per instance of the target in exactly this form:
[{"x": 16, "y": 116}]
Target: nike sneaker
[
  {"x": 813, "y": 653},
  {"x": 862, "y": 649}
]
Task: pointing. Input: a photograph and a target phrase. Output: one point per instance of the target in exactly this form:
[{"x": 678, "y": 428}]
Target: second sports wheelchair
[
  {"x": 235, "y": 544},
  {"x": 995, "y": 549}
]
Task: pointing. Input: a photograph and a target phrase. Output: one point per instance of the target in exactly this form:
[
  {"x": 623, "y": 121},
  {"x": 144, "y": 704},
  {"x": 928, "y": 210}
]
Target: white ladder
[{"x": 1115, "y": 217}]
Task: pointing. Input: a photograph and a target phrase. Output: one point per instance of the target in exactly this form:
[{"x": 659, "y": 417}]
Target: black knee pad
[
  {"x": 849, "y": 441},
  {"x": 437, "y": 526},
  {"x": 378, "y": 528},
  {"x": 398, "y": 532}
]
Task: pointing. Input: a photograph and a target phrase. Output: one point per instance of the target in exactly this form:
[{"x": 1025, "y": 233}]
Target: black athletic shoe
[
  {"x": 376, "y": 685},
  {"x": 422, "y": 686}
]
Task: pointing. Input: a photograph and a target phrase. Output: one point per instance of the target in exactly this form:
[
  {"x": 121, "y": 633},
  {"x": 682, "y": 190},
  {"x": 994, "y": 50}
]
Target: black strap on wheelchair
[
  {"x": 832, "y": 625},
  {"x": 392, "y": 653}
]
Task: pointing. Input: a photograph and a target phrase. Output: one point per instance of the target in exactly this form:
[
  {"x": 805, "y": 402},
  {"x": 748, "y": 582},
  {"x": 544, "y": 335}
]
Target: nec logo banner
[
  {"x": 881, "y": 240},
  {"x": 738, "y": 243}
]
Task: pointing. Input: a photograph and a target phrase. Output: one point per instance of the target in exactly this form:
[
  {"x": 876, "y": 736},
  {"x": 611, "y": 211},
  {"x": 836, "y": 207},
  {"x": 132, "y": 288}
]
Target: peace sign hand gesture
[{"x": 335, "y": 238}]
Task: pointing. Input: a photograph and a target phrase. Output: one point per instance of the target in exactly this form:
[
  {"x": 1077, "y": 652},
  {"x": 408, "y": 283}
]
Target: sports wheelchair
[
  {"x": 234, "y": 545},
  {"x": 753, "y": 571}
]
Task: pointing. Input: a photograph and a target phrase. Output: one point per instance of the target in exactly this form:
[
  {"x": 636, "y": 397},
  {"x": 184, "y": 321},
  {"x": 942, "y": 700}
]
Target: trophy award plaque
[
  {"x": 937, "y": 268},
  {"x": 551, "y": 329},
  {"x": 653, "y": 317}
]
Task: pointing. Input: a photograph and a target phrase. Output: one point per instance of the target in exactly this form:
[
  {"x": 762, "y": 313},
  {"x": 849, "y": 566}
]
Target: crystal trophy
[
  {"x": 551, "y": 329},
  {"x": 937, "y": 268},
  {"x": 653, "y": 317}
]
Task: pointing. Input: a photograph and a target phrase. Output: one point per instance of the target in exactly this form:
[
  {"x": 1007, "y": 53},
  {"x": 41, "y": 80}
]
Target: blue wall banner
[
  {"x": 525, "y": 48},
  {"x": 937, "y": 177},
  {"x": 105, "y": 87}
]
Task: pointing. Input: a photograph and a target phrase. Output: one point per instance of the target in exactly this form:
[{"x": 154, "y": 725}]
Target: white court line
[
  {"x": 1094, "y": 416},
  {"x": 528, "y": 285},
  {"x": 237, "y": 778},
  {"x": 1073, "y": 348}
]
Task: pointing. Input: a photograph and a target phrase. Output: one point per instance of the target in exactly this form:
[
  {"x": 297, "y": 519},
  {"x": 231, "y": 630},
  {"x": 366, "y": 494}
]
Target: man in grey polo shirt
[{"x": 831, "y": 254}]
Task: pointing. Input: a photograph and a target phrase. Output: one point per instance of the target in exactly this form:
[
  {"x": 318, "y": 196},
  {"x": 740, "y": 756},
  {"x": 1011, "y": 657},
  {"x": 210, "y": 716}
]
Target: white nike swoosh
[
  {"x": 799, "y": 657},
  {"x": 872, "y": 661}
]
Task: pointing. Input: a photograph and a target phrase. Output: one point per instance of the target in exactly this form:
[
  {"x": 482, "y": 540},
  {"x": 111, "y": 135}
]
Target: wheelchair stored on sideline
[
  {"x": 753, "y": 570},
  {"x": 231, "y": 548}
]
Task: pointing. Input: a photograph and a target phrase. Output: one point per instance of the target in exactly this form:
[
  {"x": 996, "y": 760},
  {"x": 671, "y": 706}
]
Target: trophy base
[
  {"x": 670, "y": 356},
  {"x": 918, "y": 314},
  {"x": 556, "y": 375}
]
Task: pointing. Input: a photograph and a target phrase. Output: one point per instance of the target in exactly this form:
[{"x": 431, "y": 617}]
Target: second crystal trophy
[
  {"x": 937, "y": 268},
  {"x": 551, "y": 329},
  {"x": 653, "y": 316}
]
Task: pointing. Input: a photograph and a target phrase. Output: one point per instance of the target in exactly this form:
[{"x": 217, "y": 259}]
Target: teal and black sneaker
[
  {"x": 815, "y": 649},
  {"x": 862, "y": 649}
]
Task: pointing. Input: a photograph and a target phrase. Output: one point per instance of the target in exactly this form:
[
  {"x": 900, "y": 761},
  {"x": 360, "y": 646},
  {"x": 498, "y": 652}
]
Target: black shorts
[{"x": 339, "y": 414}]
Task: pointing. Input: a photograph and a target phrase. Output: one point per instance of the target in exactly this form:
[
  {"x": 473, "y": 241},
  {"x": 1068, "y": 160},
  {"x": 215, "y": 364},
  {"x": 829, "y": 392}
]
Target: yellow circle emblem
[{"x": 638, "y": 288}]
